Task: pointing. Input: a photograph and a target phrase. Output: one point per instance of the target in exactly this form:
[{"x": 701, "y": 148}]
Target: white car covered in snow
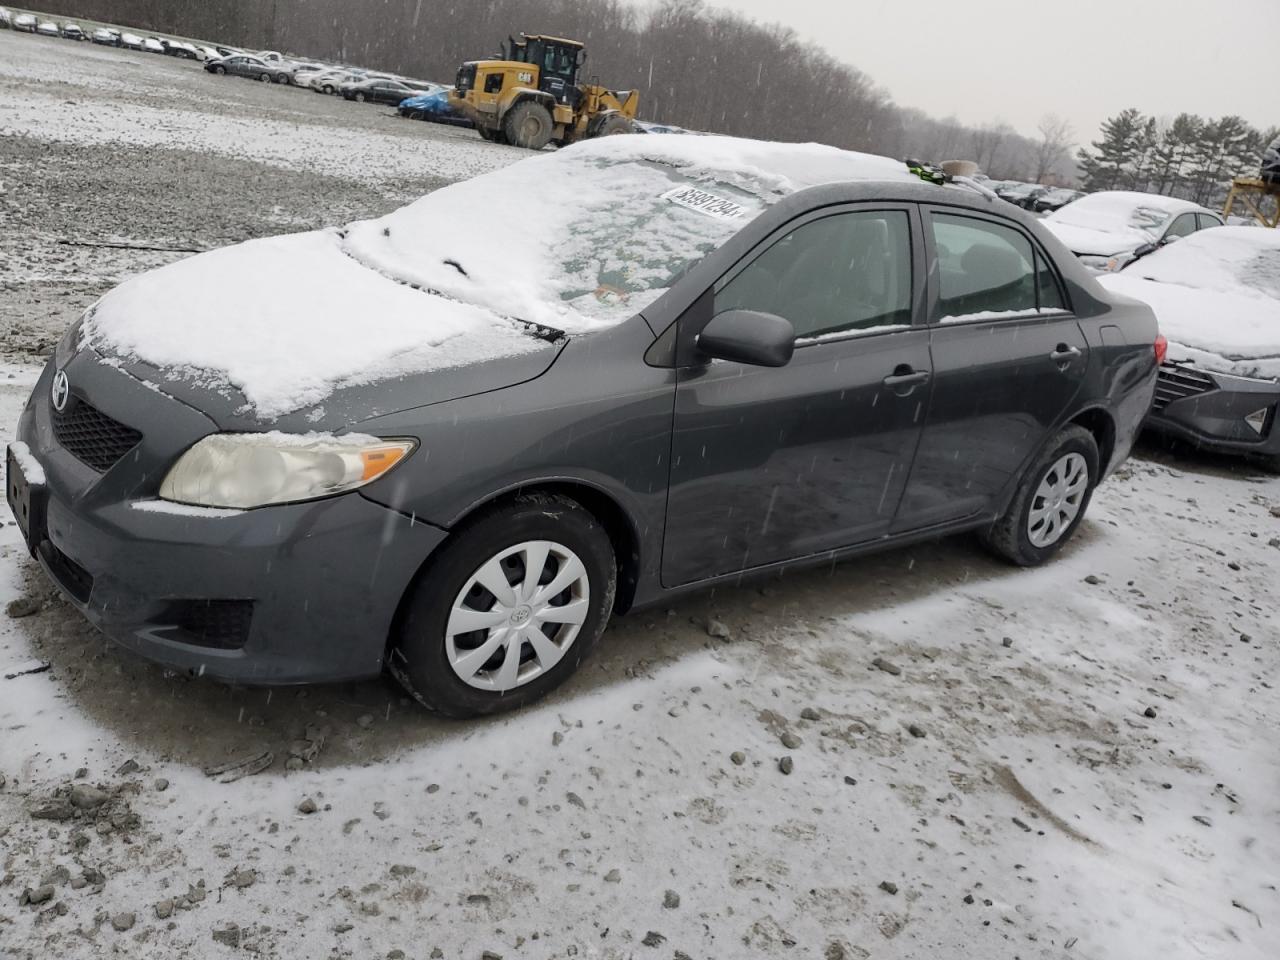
[
  {"x": 1216, "y": 295},
  {"x": 49, "y": 28},
  {"x": 1110, "y": 230}
]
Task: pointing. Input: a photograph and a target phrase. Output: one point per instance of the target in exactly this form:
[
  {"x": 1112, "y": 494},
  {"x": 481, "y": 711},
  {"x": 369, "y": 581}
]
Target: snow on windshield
[
  {"x": 585, "y": 237},
  {"x": 1242, "y": 260},
  {"x": 1120, "y": 211}
]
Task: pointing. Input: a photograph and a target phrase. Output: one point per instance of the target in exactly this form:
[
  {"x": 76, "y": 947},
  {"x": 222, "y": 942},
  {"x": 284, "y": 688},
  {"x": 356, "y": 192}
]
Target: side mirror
[
  {"x": 1143, "y": 250},
  {"x": 745, "y": 336},
  {"x": 1170, "y": 239}
]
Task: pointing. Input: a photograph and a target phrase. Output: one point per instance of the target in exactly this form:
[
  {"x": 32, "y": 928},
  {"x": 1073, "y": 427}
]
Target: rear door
[
  {"x": 771, "y": 464},
  {"x": 1008, "y": 359}
]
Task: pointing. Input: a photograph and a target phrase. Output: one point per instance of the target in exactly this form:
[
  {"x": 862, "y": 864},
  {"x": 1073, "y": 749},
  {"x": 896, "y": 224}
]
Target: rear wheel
[
  {"x": 328, "y": 89},
  {"x": 264, "y": 77},
  {"x": 417, "y": 115},
  {"x": 507, "y": 609},
  {"x": 528, "y": 125},
  {"x": 493, "y": 136},
  {"x": 1050, "y": 502},
  {"x": 360, "y": 98},
  {"x": 221, "y": 71}
]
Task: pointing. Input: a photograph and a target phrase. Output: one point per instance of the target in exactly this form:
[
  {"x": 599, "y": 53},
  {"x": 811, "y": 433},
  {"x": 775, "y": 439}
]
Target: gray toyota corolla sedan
[{"x": 452, "y": 442}]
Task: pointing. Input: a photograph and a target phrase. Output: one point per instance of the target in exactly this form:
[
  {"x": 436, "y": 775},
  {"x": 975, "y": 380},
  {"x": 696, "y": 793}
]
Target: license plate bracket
[{"x": 27, "y": 501}]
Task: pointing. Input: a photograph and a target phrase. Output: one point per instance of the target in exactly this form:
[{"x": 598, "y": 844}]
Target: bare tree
[{"x": 1056, "y": 137}]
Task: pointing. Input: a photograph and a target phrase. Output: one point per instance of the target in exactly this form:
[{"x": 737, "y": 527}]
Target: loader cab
[{"x": 558, "y": 62}]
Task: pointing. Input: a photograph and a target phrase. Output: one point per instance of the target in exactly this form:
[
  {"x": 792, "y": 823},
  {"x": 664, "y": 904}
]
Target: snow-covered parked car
[
  {"x": 410, "y": 449},
  {"x": 152, "y": 45},
  {"x": 6, "y": 19},
  {"x": 106, "y": 37},
  {"x": 72, "y": 31},
  {"x": 131, "y": 41},
  {"x": 1111, "y": 229},
  {"x": 25, "y": 23},
  {"x": 1270, "y": 171},
  {"x": 49, "y": 28},
  {"x": 1217, "y": 297}
]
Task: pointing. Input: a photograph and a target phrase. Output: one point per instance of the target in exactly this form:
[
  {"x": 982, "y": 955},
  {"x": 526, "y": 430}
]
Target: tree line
[
  {"x": 695, "y": 66},
  {"x": 1191, "y": 157}
]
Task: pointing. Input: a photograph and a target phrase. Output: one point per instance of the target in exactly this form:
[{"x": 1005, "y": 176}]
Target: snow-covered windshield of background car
[{"x": 1116, "y": 213}]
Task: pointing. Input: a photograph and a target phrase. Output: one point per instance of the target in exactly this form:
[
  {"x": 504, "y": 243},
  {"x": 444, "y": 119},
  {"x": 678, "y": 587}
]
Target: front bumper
[
  {"x": 1217, "y": 411},
  {"x": 284, "y": 594}
]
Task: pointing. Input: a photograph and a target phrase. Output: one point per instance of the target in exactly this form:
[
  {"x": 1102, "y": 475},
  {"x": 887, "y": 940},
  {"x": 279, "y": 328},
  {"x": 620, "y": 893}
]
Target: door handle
[
  {"x": 905, "y": 379},
  {"x": 1064, "y": 354}
]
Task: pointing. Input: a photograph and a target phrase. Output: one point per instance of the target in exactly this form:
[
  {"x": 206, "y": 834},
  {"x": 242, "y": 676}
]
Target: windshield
[
  {"x": 1117, "y": 213},
  {"x": 600, "y": 228},
  {"x": 1229, "y": 259}
]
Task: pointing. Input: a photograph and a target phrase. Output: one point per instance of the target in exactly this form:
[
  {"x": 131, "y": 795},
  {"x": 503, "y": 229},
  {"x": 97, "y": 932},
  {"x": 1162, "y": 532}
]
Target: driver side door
[{"x": 776, "y": 463}]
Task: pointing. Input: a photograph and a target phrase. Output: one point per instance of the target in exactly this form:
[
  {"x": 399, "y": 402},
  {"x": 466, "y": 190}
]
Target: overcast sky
[{"x": 1015, "y": 60}]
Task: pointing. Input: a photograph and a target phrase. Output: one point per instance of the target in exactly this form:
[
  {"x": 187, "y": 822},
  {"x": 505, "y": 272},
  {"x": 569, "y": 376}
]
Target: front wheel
[
  {"x": 528, "y": 125},
  {"x": 220, "y": 71},
  {"x": 507, "y": 609},
  {"x": 283, "y": 78},
  {"x": 1050, "y": 501},
  {"x": 265, "y": 77},
  {"x": 360, "y": 98}
]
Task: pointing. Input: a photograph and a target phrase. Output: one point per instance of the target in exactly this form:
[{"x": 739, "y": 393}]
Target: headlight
[
  {"x": 246, "y": 470},
  {"x": 1102, "y": 264}
]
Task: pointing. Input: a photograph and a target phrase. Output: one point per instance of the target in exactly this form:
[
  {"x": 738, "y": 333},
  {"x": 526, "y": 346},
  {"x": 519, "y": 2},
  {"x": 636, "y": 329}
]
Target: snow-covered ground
[{"x": 1075, "y": 761}]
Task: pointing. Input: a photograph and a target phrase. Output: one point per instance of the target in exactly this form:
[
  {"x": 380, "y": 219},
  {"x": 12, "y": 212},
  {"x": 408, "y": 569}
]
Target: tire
[
  {"x": 1029, "y": 541},
  {"x": 265, "y": 77},
  {"x": 613, "y": 125},
  {"x": 283, "y": 78},
  {"x": 493, "y": 136},
  {"x": 220, "y": 71},
  {"x": 359, "y": 98},
  {"x": 417, "y": 115},
  {"x": 328, "y": 90},
  {"x": 528, "y": 125},
  {"x": 422, "y": 653}
]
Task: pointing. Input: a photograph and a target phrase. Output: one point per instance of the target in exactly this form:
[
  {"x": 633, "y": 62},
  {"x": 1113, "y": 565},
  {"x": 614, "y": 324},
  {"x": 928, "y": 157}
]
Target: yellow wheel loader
[{"x": 533, "y": 96}]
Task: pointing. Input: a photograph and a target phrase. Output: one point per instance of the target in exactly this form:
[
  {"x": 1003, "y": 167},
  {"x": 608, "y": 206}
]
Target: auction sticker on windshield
[{"x": 707, "y": 203}]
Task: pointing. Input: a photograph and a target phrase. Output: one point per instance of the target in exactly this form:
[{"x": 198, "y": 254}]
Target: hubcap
[
  {"x": 1057, "y": 500},
  {"x": 517, "y": 615}
]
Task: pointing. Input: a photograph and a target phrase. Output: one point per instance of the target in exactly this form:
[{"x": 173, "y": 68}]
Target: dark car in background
[
  {"x": 822, "y": 356},
  {"x": 378, "y": 91},
  {"x": 247, "y": 65},
  {"x": 1024, "y": 195},
  {"x": 1055, "y": 198}
]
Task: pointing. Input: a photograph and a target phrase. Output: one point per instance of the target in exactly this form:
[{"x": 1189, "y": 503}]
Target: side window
[
  {"x": 1184, "y": 226},
  {"x": 983, "y": 269},
  {"x": 1207, "y": 221},
  {"x": 846, "y": 272}
]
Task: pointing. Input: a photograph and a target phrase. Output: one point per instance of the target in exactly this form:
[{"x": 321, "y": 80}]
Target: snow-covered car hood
[
  {"x": 1096, "y": 243},
  {"x": 284, "y": 322},
  {"x": 1216, "y": 295},
  {"x": 586, "y": 238}
]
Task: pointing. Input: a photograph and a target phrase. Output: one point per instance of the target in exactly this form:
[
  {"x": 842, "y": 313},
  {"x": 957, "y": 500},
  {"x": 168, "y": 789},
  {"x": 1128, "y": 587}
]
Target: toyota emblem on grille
[{"x": 60, "y": 391}]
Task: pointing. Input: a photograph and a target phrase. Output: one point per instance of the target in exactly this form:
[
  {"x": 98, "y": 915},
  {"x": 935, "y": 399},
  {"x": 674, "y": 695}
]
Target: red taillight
[{"x": 1162, "y": 348}]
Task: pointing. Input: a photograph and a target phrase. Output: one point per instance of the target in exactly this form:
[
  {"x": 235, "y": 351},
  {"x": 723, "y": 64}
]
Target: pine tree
[{"x": 1111, "y": 162}]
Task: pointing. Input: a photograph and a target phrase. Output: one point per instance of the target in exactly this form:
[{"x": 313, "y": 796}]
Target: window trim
[{"x": 934, "y": 285}]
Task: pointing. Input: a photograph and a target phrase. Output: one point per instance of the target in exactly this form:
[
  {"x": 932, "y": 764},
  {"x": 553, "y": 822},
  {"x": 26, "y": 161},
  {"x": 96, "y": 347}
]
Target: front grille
[
  {"x": 222, "y": 624},
  {"x": 1176, "y": 382},
  {"x": 72, "y": 577},
  {"x": 91, "y": 436}
]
